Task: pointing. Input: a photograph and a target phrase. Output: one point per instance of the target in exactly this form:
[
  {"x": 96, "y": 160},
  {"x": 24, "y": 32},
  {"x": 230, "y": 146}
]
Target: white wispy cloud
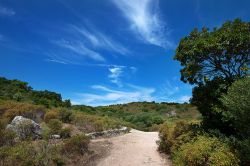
[
  {"x": 107, "y": 96},
  {"x": 100, "y": 40},
  {"x": 184, "y": 98},
  {"x": 6, "y": 11},
  {"x": 56, "y": 61},
  {"x": 79, "y": 48},
  {"x": 169, "y": 92},
  {"x": 115, "y": 74},
  {"x": 87, "y": 43},
  {"x": 145, "y": 21},
  {"x": 168, "y": 89}
]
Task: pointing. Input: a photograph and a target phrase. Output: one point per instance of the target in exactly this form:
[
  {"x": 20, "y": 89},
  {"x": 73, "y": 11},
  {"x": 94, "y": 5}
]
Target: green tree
[
  {"x": 213, "y": 60},
  {"x": 224, "y": 52}
]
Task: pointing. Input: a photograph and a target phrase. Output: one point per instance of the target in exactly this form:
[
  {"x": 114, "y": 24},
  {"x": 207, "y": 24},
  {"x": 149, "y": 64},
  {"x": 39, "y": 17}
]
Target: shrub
[
  {"x": 77, "y": 144},
  {"x": 46, "y": 132},
  {"x": 65, "y": 115},
  {"x": 237, "y": 103},
  {"x": 21, "y": 154},
  {"x": 205, "y": 151},
  {"x": 25, "y": 153},
  {"x": 55, "y": 126},
  {"x": 166, "y": 141},
  {"x": 10, "y": 109},
  {"x": 48, "y": 154},
  {"x": 243, "y": 149},
  {"x": 92, "y": 123},
  {"x": 172, "y": 136},
  {"x": 6, "y": 136},
  {"x": 52, "y": 114},
  {"x": 65, "y": 132}
]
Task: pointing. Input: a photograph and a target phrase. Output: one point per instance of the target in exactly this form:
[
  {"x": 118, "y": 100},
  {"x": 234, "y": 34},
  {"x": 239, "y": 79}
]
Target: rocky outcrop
[
  {"x": 108, "y": 133},
  {"x": 25, "y": 128}
]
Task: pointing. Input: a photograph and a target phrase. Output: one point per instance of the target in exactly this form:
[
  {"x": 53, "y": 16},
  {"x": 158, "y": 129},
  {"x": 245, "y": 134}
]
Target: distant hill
[
  {"x": 21, "y": 91},
  {"x": 145, "y": 116}
]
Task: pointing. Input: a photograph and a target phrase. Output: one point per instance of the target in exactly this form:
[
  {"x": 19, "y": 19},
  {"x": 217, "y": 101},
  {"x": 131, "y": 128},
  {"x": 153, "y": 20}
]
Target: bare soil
[{"x": 136, "y": 148}]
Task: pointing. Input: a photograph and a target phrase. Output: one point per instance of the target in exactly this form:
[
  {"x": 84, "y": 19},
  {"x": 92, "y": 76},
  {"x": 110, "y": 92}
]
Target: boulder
[
  {"x": 25, "y": 128},
  {"x": 55, "y": 136}
]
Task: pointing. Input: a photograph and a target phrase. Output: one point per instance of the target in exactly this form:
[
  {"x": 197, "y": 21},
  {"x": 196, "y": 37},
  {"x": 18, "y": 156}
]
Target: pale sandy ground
[{"x": 136, "y": 148}]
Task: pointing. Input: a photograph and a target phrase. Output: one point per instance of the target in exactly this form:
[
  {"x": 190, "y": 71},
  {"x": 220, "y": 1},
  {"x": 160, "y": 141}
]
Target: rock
[
  {"x": 25, "y": 128},
  {"x": 171, "y": 114},
  {"x": 55, "y": 136},
  {"x": 108, "y": 133}
]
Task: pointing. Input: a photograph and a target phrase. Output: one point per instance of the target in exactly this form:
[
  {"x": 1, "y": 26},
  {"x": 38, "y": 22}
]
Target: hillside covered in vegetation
[
  {"x": 21, "y": 91},
  {"x": 70, "y": 123}
]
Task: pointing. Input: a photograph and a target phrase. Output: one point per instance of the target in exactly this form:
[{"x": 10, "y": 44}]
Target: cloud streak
[
  {"x": 87, "y": 43},
  {"x": 100, "y": 40},
  {"x": 144, "y": 19},
  {"x": 115, "y": 74},
  {"x": 109, "y": 96},
  {"x": 81, "y": 49}
]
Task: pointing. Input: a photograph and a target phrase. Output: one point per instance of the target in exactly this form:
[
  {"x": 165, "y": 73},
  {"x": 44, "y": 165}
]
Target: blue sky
[{"x": 100, "y": 52}]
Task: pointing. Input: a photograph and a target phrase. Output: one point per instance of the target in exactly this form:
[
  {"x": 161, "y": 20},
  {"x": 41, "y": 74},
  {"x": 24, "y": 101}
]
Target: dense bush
[
  {"x": 10, "y": 109},
  {"x": 172, "y": 136},
  {"x": 26, "y": 153},
  {"x": 189, "y": 145},
  {"x": 77, "y": 144},
  {"x": 65, "y": 132},
  {"x": 237, "y": 106},
  {"x": 7, "y": 137},
  {"x": 91, "y": 123},
  {"x": 205, "y": 150},
  {"x": 51, "y": 114},
  {"x": 243, "y": 148},
  {"x": 62, "y": 114},
  {"x": 65, "y": 115},
  {"x": 55, "y": 126}
]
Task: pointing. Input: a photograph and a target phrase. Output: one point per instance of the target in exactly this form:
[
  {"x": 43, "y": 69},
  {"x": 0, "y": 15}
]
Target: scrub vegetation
[
  {"x": 70, "y": 123},
  {"x": 217, "y": 63}
]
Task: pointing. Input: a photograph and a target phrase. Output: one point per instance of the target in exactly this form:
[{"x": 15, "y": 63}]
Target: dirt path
[{"x": 136, "y": 148}]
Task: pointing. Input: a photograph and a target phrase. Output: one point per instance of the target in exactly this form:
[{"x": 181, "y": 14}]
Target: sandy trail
[{"x": 136, "y": 148}]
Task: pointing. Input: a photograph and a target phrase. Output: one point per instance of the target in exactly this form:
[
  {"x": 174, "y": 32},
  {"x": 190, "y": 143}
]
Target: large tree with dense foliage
[
  {"x": 223, "y": 52},
  {"x": 213, "y": 60}
]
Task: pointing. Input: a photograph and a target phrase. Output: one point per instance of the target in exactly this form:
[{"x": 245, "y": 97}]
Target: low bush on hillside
[
  {"x": 51, "y": 114},
  {"x": 65, "y": 132},
  {"x": 92, "y": 123},
  {"x": 189, "y": 145},
  {"x": 55, "y": 126},
  {"x": 172, "y": 136},
  {"x": 7, "y": 137},
  {"x": 205, "y": 150},
  {"x": 77, "y": 144},
  {"x": 27, "y": 153},
  {"x": 10, "y": 109}
]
